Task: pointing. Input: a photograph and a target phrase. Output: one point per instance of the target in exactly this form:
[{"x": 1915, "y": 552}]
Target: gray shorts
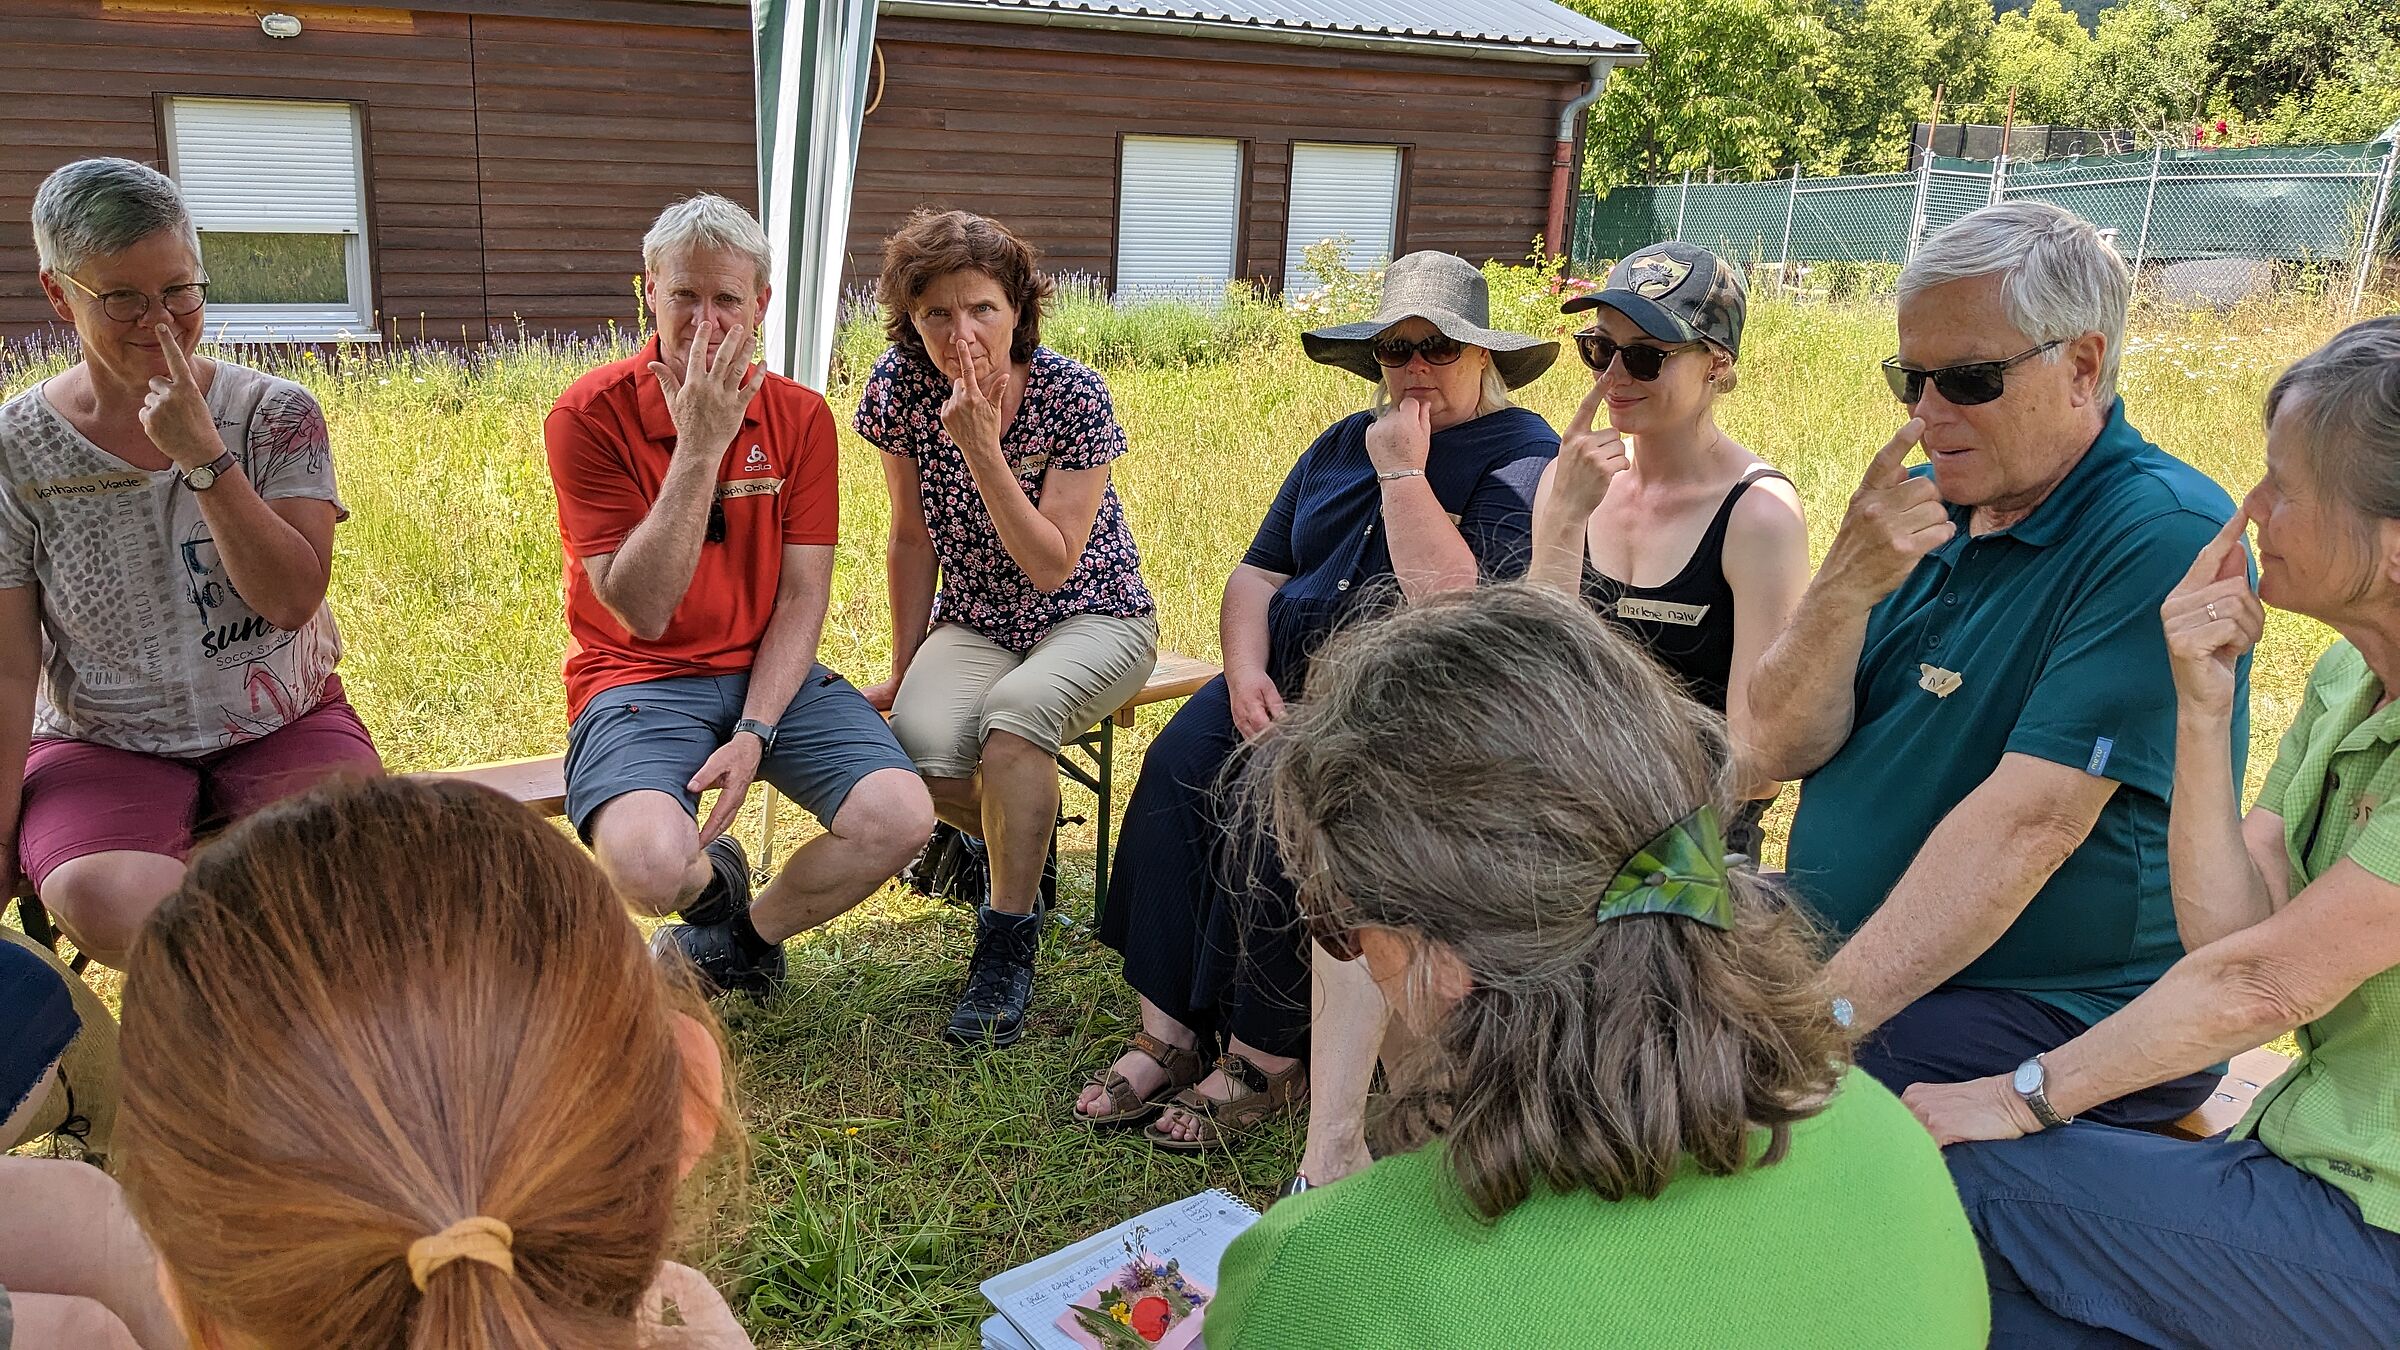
[{"x": 656, "y": 734}]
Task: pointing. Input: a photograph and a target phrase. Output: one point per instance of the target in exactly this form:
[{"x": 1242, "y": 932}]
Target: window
[
  {"x": 1178, "y": 206},
  {"x": 277, "y": 191},
  {"x": 1340, "y": 191}
]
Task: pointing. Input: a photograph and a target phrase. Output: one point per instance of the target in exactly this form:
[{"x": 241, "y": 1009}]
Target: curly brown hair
[
  {"x": 932, "y": 245},
  {"x": 1470, "y": 774}
]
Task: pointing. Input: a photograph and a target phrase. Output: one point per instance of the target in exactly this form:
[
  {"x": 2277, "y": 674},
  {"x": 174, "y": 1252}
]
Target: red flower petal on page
[{"x": 1150, "y": 1318}]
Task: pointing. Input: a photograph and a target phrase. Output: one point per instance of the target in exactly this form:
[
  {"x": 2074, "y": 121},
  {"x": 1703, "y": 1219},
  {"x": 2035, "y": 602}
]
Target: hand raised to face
[
  {"x": 175, "y": 412},
  {"x": 1589, "y": 458},
  {"x": 1893, "y": 521},
  {"x": 707, "y": 404},
  {"x": 2212, "y": 619},
  {"x": 972, "y": 412},
  {"x": 1402, "y": 438}
]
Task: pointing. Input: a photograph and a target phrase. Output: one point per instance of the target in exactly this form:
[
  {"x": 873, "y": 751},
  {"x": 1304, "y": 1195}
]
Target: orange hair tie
[{"x": 475, "y": 1239}]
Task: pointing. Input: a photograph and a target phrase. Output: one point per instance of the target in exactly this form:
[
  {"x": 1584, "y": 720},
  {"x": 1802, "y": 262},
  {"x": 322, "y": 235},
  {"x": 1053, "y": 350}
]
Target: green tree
[
  {"x": 1726, "y": 88},
  {"x": 2359, "y": 103},
  {"x": 2038, "y": 52},
  {"x": 2148, "y": 67},
  {"x": 2267, "y": 51},
  {"x": 1876, "y": 76}
]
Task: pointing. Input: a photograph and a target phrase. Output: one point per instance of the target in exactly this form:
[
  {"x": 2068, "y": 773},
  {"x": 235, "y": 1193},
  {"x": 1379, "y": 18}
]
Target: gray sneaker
[
  {"x": 716, "y": 955},
  {"x": 728, "y": 890}
]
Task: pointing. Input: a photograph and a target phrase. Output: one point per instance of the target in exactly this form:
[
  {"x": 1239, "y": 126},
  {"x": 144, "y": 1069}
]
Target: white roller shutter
[
  {"x": 266, "y": 166},
  {"x": 1339, "y": 190},
  {"x": 1178, "y": 207}
]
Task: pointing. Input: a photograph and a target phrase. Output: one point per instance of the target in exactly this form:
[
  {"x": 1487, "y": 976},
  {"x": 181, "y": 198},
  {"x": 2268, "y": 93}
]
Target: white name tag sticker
[
  {"x": 751, "y": 487},
  {"x": 90, "y": 485},
  {"x": 1936, "y": 681},
  {"x": 1660, "y": 611}
]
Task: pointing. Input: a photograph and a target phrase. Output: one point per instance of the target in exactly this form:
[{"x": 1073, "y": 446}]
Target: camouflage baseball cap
[{"x": 1677, "y": 292}]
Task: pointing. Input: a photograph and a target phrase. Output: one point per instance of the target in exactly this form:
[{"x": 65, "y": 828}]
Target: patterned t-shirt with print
[
  {"x": 146, "y": 644},
  {"x": 1064, "y": 421}
]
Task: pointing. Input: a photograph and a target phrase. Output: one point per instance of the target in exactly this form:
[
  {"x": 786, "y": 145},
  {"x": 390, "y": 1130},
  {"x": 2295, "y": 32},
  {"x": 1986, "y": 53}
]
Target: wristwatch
[
  {"x": 2032, "y": 1084},
  {"x": 765, "y": 732},
  {"x": 205, "y": 477}
]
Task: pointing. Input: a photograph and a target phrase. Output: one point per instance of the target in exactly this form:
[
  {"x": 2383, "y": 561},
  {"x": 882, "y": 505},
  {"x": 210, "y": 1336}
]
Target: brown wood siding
[
  {"x": 1023, "y": 123},
  {"x": 586, "y": 130}
]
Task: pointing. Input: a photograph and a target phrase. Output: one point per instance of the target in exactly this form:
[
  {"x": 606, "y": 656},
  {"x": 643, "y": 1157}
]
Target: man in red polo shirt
[{"x": 697, "y": 500}]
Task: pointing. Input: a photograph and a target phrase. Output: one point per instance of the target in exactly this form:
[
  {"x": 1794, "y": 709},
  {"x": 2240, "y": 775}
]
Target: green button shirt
[
  {"x": 2336, "y": 1114},
  {"x": 2042, "y": 639}
]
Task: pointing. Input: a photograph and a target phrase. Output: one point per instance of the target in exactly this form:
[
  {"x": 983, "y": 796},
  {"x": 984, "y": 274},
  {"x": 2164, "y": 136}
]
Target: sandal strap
[{"x": 1181, "y": 1063}]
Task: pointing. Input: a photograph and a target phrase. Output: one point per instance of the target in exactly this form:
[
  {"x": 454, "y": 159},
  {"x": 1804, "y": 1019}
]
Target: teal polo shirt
[{"x": 2046, "y": 638}]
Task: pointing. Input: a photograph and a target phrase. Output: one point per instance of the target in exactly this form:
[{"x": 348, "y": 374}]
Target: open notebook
[{"x": 1194, "y": 1231}]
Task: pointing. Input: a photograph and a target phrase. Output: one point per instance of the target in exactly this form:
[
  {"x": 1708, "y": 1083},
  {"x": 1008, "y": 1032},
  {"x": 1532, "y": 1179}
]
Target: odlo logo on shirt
[{"x": 757, "y": 462}]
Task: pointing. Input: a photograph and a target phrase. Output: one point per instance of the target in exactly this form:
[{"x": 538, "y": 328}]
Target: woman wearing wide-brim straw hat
[{"x": 1429, "y": 489}]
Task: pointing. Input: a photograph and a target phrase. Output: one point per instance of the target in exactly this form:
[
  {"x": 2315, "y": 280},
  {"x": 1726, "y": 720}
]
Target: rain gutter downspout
[{"x": 1562, "y": 162}]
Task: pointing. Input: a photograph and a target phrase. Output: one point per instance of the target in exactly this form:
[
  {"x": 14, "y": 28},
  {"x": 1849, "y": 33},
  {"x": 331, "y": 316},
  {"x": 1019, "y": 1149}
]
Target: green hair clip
[{"x": 1682, "y": 871}]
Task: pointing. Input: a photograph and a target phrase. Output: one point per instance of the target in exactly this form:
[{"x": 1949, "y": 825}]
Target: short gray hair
[
  {"x": 95, "y": 207},
  {"x": 2060, "y": 279},
  {"x": 2344, "y": 399},
  {"x": 707, "y": 221}
]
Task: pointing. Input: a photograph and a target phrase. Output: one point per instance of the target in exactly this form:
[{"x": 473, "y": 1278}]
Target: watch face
[
  {"x": 2029, "y": 1077},
  {"x": 201, "y": 478}
]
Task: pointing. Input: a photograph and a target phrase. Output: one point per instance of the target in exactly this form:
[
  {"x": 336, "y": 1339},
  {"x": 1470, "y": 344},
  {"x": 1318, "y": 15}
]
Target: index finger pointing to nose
[
  {"x": 1587, "y": 411},
  {"x": 176, "y": 362},
  {"x": 2212, "y": 554},
  {"x": 1885, "y": 469}
]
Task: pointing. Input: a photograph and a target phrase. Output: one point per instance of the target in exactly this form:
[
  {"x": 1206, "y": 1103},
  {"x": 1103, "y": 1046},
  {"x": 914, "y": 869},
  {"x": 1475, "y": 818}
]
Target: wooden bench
[
  {"x": 1089, "y": 761},
  {"x": 2249, "y": 1073}
]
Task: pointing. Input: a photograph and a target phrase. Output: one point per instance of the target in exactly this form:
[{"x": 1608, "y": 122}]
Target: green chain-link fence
[{"x": 2325, "y": 205}]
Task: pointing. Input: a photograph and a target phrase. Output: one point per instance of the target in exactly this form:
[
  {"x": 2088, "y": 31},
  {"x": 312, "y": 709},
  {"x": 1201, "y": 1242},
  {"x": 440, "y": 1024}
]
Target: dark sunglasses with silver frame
[
  {"x": 1966, "y": 384},
  {"x": 1439, "y": 349}
]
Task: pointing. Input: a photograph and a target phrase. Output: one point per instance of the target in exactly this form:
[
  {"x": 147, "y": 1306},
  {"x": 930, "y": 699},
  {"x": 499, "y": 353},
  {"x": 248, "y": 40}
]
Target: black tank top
[{"x": 1687, "y": 623}]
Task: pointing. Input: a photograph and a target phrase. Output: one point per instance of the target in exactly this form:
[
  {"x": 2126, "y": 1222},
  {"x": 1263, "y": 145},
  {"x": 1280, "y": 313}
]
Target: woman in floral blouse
[{"x": 996, "y": 454}]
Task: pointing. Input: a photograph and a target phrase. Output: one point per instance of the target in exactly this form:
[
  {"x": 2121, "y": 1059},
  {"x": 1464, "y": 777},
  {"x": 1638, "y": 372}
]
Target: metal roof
[{"x": 1534, "y": 29}]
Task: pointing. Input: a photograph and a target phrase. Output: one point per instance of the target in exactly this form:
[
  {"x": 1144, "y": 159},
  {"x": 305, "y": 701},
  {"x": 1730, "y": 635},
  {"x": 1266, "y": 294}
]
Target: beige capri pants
[{"x": 963, "y": 686}]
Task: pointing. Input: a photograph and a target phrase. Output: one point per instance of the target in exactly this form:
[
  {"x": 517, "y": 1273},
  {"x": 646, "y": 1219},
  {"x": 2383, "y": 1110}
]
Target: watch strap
[
  {"x": 765, "y": 732},
  {"x": 2037, "y": 1100},
  {"x": 215, "y": 469}
]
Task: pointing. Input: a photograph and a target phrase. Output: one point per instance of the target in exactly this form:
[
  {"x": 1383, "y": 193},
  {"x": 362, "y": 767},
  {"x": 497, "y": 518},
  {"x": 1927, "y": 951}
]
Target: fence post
[
  {"x": 1790, "y": 203},
  {"x": 2141, "y": 242},
  {"x": 1683, "y": 201},
  {"x": 2375, "y": 211},
  {"x": 1999, "y": 174}
]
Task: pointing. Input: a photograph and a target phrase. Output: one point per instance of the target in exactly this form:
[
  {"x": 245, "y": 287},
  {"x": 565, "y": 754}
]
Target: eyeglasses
[
  {"x": 1438, "y": 350},
  {"x": 1965, "y": 385},
  {"x": 133, "y": 306},
  {"x": 1642, "y": 361},
  {"x": 716, "y": 523},
  {"x": 1339, "y": 940}
]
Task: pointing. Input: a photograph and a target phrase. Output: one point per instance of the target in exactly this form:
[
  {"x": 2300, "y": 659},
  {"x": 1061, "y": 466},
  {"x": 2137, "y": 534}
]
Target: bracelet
[{"x": 1396, "y": 474}]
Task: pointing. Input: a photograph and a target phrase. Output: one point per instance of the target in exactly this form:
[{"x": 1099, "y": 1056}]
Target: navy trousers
[
  {"x": 2095, "y": 1236},
  {"x": 1954, "y": 1034}
]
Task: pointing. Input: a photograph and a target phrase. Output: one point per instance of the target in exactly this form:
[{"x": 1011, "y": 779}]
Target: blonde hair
[{"x": 375, "y": 1011}]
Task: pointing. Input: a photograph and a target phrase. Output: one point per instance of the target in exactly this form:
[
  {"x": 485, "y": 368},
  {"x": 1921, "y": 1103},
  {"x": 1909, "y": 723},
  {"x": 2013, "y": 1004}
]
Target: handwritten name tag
[
  {"x": 90, "y": 485},
  {"x": 1660, "y": 611},
  {"x": 750, "y": 487},
  {"x": 1936, "y": 681}
]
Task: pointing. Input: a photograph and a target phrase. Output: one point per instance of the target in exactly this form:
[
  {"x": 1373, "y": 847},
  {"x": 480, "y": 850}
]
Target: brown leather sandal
[
  {"x": 1126, "y": 1107},
  {"x": 1262, "y": 1097}
]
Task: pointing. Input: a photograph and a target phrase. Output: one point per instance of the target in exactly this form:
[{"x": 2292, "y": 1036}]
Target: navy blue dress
[{"x": 1200, "y": 909}]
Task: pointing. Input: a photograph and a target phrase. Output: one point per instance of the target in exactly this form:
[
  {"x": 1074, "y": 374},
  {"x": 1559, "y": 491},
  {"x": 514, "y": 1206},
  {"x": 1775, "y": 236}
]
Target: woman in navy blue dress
[{"x": 1430, "y": 489}]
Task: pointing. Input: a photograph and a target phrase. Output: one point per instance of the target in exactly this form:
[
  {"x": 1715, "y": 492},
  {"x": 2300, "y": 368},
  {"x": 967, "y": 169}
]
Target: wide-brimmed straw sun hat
[{"x": 1446, "y": 291}]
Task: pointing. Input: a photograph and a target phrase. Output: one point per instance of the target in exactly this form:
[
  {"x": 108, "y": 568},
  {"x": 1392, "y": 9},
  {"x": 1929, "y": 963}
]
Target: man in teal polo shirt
[{"x": 1974, "y": 692}]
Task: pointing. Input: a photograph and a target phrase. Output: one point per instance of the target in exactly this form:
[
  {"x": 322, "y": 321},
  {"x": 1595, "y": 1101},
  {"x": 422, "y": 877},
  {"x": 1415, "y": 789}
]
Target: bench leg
[
  {"x": 38, "y": 925},
  {"x": 762, "y": 858},
  {"x": 1106, "y": 757}
]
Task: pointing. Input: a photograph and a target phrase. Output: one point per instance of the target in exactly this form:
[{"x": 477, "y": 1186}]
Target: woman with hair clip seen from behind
[
  {"x": 399, "y": 1072},
  {"x": 1508, "y": 810},
  {"x": 1675, "y": 533}
]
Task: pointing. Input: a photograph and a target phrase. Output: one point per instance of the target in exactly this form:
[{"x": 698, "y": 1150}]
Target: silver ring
[{"x": 2212, "y": 611}]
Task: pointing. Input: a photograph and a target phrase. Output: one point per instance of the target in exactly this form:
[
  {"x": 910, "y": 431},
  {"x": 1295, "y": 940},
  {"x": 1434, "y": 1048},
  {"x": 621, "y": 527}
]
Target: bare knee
[
  {"x": 887, "y": 817},
  {"x": 651, "y": 858},
  {"x": 67, "y": 1322},
  {"x": 103, "y": 899}
]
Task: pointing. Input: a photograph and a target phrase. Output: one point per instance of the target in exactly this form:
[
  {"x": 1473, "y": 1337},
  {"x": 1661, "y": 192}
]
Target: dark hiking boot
[
  {"x": 728, "y": 890},
  {"x": 725, "y": 964},
  {"x": 999, "y": 980}
]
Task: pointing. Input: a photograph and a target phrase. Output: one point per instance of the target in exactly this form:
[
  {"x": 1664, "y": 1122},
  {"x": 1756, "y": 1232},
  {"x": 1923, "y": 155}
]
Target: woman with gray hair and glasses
[
  {"x": 2288, "y": 1233},
  {"x": 1633, "y": 1120},
  {"x": 166, "y": 536}
]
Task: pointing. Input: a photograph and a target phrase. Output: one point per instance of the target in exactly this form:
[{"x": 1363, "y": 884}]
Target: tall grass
[{"x": 893, "y": 1173}]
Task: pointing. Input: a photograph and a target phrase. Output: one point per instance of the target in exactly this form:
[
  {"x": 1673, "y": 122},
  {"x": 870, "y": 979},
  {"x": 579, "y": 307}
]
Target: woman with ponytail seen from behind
[{"x": 400, "y": 1073}]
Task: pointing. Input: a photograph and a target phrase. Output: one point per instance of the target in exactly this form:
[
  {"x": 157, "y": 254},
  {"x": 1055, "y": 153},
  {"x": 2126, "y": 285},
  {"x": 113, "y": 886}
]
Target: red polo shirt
[{"x": 609, "y": 439}]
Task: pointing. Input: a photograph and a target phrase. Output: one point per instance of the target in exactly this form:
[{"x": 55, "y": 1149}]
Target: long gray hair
[
  {"x": 2343, "y": 402},
  {"x": 1472, "y": 772}
]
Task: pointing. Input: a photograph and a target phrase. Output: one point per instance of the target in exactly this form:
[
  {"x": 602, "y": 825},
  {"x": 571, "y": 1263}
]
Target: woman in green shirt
[
  {"x": 1634, "y": 1121},
  {"x": 2288, "y": 1233}
]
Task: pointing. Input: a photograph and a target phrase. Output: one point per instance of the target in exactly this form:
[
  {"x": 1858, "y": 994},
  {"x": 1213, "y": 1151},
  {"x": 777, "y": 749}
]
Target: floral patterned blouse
[{"x": 1064, "y": 421}]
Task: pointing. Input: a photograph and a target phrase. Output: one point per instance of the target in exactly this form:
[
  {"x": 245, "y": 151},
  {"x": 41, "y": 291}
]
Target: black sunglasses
[
  {"x": 1438, "y": 350},
  {"x": 716, "y": 523},
  {"x": 1965, "y": 385},
  {"x": 1642, "y": 361}
]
